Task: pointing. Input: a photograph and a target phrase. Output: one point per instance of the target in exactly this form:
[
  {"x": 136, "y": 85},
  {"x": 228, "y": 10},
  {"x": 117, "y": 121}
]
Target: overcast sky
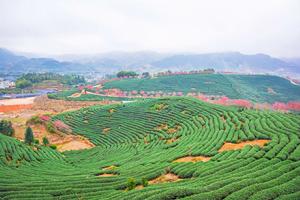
[{"x": 87, "y": 26}]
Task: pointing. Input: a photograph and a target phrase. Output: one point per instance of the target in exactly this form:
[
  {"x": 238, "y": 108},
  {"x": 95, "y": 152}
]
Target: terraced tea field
[
  {"x": 257, "y": 88},
  {"x": 168, "y": 148}
]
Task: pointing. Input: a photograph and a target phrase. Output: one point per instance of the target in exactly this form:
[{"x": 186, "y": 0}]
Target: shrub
[
  {"x": 123, "y": 74},
  {"x": 36, "y": 141},
  {"x": 145, "y": 182},
  {"x": 53, "y": 146},
  {"x": 23, "y": 83},
  {"x": 45, "y": 118},
  {"x": 45, "y": 141},
  {"x": 6, "y": 128},
  {"x": 131, "y": 183},
  {"x": 34, "y": 120},
  {"x": 279, "y": 106},
  {"x": 159, "y": 107},
  {"x": 50, "y": 128},
  {"x": 61, "y": 126}
]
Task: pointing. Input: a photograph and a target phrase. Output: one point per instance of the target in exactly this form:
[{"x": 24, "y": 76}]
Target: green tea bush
[
  {"x": 131, "y": 183},
  {"x": 139, "y": 144}
]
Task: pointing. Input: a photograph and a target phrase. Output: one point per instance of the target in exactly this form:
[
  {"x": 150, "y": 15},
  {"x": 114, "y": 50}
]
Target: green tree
[
  {"x": 146, "y": 74},
  {"x": 34, "y": 120},
  {"x": 26, "y": 80},
  {"x": 144, "y": 182},
  {"x": 50, "y": 128},
  {"x": 126, "y": 73},
  {"x": 53, "y": 146},
  {"x": 29, "y": 138},
  {"x": 131, "y": 183},
  {"x": 45, "y": 141},
  {"x": 6, "y": 128},
  {"x": 23, "y": 83}
]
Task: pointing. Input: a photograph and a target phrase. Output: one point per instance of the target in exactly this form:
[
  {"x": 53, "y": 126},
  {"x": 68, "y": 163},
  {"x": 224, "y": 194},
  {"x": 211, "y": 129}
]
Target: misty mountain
[
  {"x": 115, "y": 61},
  {"x": 12, "y": 63},
  {"x": 149, "y": 61},
  {"x": 232, "y": 61}
]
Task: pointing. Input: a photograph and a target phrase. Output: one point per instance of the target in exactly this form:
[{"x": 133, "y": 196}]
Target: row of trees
[
  {"x": 23, "y": 83},
  {"x": 127, "y": 74},
  {"x": 7, "y": 129},
  {"x": 295, "y": 106},
  {"x": 29, "y": 138},
  {"x": 169, "y": 72},
  {"x": 123, "y": 74},
  {"x": 26, "y": 80}
]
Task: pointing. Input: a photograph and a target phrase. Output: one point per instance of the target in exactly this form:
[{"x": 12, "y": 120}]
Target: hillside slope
[
  {"x": 144, "y": 140},
  {"x": 257, "y": 88}
]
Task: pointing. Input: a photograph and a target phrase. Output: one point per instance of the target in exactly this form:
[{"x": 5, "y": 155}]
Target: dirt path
[
  {"x": 192, "y": 159},
  {"x": 13, "y": 108},
  {"x": 44, "y": 103},
  {"x": 75, "y": 95},
  {"x": 18, "y": 101},
  {"x": 292, "y": 82},
  {"x": 13, "y": 105},
  {"x": 271, "y": 91},
  {"x": 74, "y": 143},
  {"x": 112, "y": 167},
  {"x": 107, "y": 175},
  {"x": 232, "y": 146},
  {"x": 165, "y": 178}
]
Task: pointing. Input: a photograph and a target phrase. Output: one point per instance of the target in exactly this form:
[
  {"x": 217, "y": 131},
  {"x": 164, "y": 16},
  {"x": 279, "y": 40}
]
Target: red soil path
[
  {"x": 193, "y": 159},
  {"x": 11, "y": 108},
  {"x": 232, "y": 146}
]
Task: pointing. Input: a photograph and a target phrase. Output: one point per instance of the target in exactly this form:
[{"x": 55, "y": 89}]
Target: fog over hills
[{"x": 149, "y": 61}]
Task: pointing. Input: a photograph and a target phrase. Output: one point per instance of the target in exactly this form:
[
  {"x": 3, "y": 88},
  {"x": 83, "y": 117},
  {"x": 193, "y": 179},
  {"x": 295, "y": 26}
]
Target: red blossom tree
[
  {"x": 134, "y": 92},
  {"x": 293, "y": 105},
  {"x": 263, "y": 106},
  {"x": 202, "y": 97},
  {"x": 89, "y": 87},
  {"x": 80, "y": 87},
  {"x": 279, "y": 106},
  {"x": 179, "y": 94},
  {"x": 142, "y": 92},
  {"x": 222, "y": 101},
  {"x": 61, "y": 126},
  {"x": 45, "y": 118},
  {"x": 242, "y": 103}
]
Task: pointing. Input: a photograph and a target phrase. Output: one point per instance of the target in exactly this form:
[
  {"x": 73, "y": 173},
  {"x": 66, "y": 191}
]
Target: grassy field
[
  {"x": 139, "y": 142},
  {"x": 257, "y": 88}
]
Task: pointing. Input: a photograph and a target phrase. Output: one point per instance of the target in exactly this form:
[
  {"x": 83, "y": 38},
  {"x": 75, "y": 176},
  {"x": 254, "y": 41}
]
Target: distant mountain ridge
[
  {"x": 233, "y": 61},
  {"x": 10, "y": 62},
  {"x": 149, "y": 61}
]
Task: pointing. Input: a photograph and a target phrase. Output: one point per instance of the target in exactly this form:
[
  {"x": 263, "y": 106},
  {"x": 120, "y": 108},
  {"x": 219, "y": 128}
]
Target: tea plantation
[
  {"x": 257, "y": 88},
  {"x": 139, "y": 141}
]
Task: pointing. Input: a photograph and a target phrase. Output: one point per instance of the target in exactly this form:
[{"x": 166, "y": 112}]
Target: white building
[{"x": 6, "y": 84}]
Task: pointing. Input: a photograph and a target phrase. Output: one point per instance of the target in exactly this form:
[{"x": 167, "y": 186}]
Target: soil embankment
[{"x": 20, "y": 110}]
